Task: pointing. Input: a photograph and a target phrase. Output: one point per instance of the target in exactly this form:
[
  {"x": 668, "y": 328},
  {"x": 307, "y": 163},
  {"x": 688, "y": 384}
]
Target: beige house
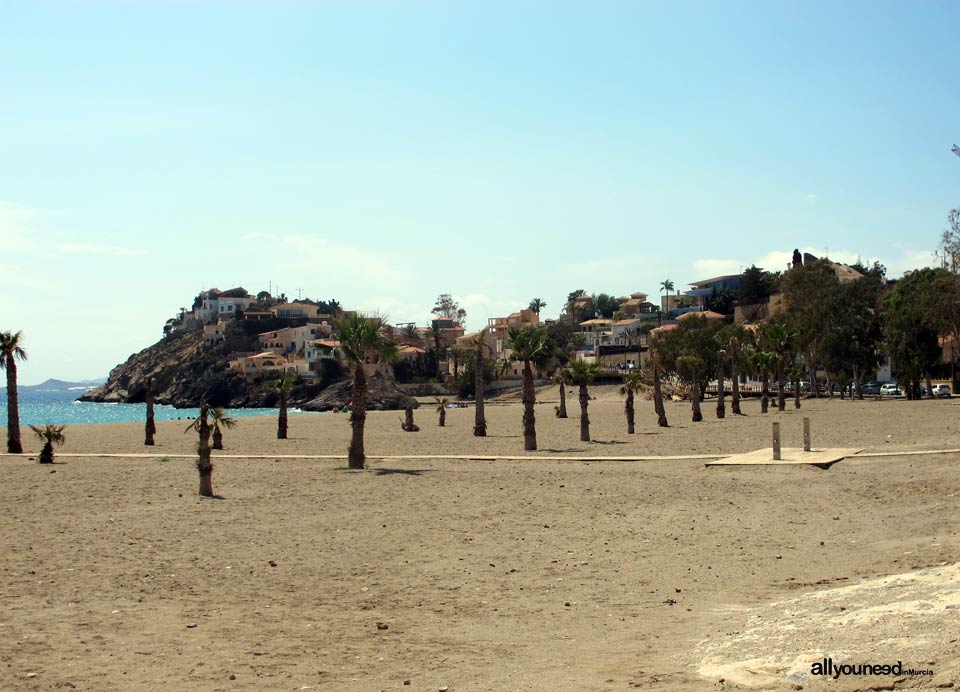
[
  {"x": 289, "y": 340},
  {"x": 260, "y": 364},
  {"x": 213, "y": 333}
]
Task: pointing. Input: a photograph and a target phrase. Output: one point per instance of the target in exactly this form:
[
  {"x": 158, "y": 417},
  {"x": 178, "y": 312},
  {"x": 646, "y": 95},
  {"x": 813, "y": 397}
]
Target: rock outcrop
[{"x": 383, "y": 394}]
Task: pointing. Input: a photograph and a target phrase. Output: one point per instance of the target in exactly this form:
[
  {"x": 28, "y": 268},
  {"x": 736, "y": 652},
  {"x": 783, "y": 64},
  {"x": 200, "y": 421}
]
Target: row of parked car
[{"x": 891, "y": 389}]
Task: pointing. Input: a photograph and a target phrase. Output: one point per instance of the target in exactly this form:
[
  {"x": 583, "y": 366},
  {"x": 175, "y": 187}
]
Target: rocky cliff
[{"x": 186, "y": 374}]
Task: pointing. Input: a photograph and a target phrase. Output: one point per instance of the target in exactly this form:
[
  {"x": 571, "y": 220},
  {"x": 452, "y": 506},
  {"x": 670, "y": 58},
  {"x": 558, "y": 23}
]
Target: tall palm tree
[
  {"x": 11, "y": 350},
  {"x": 666, "y": 285},
  {"x": 442, "y": 404},
  {"x": 582, "y": 374},
  {"x": 529, "y": 345},
  {"x": 204, "y": 465},
  {"x": 150, "y": 428},
  {"x": 50, "y": 435},
  {"x": 631, "y": 385},
  {"x": 282, "y": 388},
  {"x": 562, "y": 378},
  {"x": 537, "y": 305},
  {"x": 220, "y": 420},
  {"x": 361, "y": 338},
  {"x": 479, "y": 420}
]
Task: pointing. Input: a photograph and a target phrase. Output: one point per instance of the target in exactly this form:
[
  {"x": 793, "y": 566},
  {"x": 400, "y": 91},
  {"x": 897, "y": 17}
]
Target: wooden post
[
  {"x": 806, "y": 434},
  {"x": 776, "y": 442}
]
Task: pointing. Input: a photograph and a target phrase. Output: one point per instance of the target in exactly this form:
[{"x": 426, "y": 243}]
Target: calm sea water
[{"x": 60, "y": 407}]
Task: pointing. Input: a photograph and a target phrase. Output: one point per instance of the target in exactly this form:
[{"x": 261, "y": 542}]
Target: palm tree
[
  {"x": 631, "y": 385},
  {"x": 537, "y": 305},
  {"x": 50, "y": 435},
  {"x": 765, "y": 362},
  {"x": 479, "y": 420},
  {"x": 220, "y": 418},
  {"x": 151, "y": 426},
  {"x": 781, "y": 340},
  {"x": 582, "y": 374},
  {"x": 689, "y": 368},
  {"x": 721, "y": 408},
  {"x": 457, "y": 354},
  {"x": 11, "y": 350},
  {"x": 442, "y": 409},
  {"x": 204, "y": 465},
  {"x": 562, "y": 378},
  {"x": 657, "y": 389},
  {"x": 360, "y": 339},
  {"x": 666, "y": 285},
  {"x": 282, "y": 388},
  {"x": 529, "y": 345}
]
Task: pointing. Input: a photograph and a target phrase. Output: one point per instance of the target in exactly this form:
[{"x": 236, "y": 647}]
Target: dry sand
[{"x": 489, "y": 575}]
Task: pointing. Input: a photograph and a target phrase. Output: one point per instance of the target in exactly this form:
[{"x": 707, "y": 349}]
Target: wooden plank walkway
[
  {"x": 383, "y": 457},
  {"x": 823, "y": 458}
]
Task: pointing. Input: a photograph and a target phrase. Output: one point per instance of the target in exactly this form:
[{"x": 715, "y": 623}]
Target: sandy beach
[{"x": 432, "y": 573}]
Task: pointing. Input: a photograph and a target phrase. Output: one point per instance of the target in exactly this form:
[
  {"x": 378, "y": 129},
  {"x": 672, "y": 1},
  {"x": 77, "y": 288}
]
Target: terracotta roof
[
  {"x": 709, "y": 314},
  {"x": 329, "y": 343}
]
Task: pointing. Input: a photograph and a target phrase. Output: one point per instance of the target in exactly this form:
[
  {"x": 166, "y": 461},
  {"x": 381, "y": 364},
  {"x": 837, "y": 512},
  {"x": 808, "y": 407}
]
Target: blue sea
[{"x": 60, "y": 407}]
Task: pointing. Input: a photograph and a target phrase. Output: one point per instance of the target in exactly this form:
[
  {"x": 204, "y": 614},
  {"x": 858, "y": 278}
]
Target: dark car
[{"x": 871, "y": 388}]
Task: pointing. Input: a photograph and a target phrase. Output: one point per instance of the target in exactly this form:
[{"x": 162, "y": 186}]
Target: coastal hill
[{"x": 186, "y": 373}]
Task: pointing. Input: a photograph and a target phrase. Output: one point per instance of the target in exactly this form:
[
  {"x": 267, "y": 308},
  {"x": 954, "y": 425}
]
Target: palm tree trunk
[
  {"x": 584, "y": 419},
  {"x": 628, "y": 408},
  {"x": 14, "y": 445},
  {"x": 796, "y": 394},
  {"x": 765, "y": 393},
  {"x": 356, "y": 458},
  {"x": 204, "y": 465},
  {"x": 562, "y": 412},
  {"x": 734, "y": 385},
  {"x": 479, "y": 421},
  {"x": 721, "y": 407},
  {"x": 529, "y": 418},
  {"x": 658, "y": 397},
  {"x": 46, "y": 454},
  {"x": 150, "y": 428},
  {"x": 782, "y": 394},
  {"x": 695, "y": 400},
  {"x": 443, "y": 416},
  {"x": 217, "y": 437},
  {"x": 282, "y": 417}
]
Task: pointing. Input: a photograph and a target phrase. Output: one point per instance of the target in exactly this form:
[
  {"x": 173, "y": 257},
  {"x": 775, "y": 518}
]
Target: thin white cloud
[
  {"x": 778, "y": 261},
  {"x": 14, "y": 235},
  {"x": 716, "y": 267},
  {"x": 97, "y": 249},
  {"x": 811, "y": 199},
  {"x": 344, "y": 261},
  {"x": 14, "y": 277}
]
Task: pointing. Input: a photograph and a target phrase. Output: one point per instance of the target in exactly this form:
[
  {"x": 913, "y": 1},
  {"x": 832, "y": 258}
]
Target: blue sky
[{"x": 383, "y": 153}]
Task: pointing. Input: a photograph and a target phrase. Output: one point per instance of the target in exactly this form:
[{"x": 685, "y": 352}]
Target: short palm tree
[
  {"x": 204, "y": 465},
  {"x": 360, "y": 339},
  {"x": 150, "y": 428},
  {"x": 656, "y": 373},
  {"x": 562, "y": 378},
  {"x": 780, "y": 339},
  {"x": 765, "y": 362},
  {"x": 220, "y": 420},
  {"x": 530, "y": 346},
  {"x": 50, "y": 435},
  {"x": 442, "y": 404},
  {"x": 690, "y": 368},
  {"x": 11, "y": 350},
  {"x": 721, "y": 407},
  {"x": 582, "y": 373},
  {"x": 537, "y": 304},
  {"x": 282, "y": 388},
  {"x": 479, "y": 419},
  {"x": 456, "y": 354},
  {"x": 631, "y": 385}
]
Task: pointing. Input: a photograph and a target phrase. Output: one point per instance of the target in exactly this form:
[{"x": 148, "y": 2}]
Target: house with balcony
[
  {"x": 700, "y": 291},
  {"x": 290, "y": 340}
]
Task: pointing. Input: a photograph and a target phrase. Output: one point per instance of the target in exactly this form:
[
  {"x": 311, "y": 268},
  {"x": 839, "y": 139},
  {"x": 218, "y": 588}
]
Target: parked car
[
  {"x": 942, "y": 390},
  {"x": 890, "y": 389},
  {"x": 871, "y": 388}
]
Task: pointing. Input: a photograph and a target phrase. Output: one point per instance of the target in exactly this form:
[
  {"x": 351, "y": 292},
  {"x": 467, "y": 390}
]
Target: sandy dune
[{"x": 502, "y": 575}]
